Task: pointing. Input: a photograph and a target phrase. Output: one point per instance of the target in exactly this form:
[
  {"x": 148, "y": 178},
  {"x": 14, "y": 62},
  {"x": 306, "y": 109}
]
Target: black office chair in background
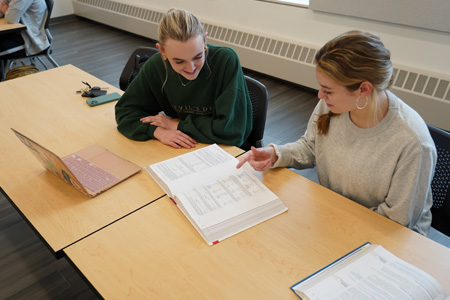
[
  {"x": 21, "y": 54},
  {"x": 134, "y": 65},
  {"x": 440, "y": 185},
  {"x": 260, "y": 99},
  {"x": 258, "y": 93}
]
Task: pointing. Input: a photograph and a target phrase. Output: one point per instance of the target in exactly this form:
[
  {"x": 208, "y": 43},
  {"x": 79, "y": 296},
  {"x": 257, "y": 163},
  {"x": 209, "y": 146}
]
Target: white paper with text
[{"x": 374, "y": 274}]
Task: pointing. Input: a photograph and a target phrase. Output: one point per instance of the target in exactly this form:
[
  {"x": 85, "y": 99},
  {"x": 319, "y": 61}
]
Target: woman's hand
[
  {"x": 162, "y": 121},
  {"x": 166, "y": 131},
  {"x": 174, "y": 138},
  {"x": 3, "y": 7},
  {"x": 259, "y": 158}
]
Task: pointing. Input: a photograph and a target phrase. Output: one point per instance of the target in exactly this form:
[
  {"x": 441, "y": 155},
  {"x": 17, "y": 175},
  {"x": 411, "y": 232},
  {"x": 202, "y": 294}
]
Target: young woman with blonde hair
[
  {"x": 200, "y": 88},
  {"x": 366, "y": 143}
]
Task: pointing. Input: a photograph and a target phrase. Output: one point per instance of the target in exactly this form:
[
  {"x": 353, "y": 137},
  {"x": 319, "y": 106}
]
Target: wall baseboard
[{"x": 62, "y": 19}]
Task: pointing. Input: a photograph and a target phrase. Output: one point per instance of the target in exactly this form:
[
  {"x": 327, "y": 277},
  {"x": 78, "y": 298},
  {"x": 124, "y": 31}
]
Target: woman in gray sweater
[{"x": 367, "y": 144}]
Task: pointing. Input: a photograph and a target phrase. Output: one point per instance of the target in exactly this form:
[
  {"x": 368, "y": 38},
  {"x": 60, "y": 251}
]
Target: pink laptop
[{"x": 91, "y": 170}]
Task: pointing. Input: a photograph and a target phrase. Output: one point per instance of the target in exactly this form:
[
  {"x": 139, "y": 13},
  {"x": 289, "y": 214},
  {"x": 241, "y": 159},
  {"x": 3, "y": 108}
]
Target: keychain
[{"x": 89, "y": 91}]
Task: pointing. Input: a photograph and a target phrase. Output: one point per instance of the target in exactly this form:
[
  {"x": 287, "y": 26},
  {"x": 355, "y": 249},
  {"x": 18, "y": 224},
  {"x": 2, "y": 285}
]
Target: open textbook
[
  {"x": 370, "y": 272},
  {"x": 218, "y": 199}
]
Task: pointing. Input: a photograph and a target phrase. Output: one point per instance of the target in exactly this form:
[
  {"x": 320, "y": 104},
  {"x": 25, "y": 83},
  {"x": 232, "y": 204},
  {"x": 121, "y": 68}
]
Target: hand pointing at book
[{"x": 259, "y": 158}]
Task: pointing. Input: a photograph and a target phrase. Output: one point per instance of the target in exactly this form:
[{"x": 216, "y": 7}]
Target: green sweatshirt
[{"x": 213, "y": 108}]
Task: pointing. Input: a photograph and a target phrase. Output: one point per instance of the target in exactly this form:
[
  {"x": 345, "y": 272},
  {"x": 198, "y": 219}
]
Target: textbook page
[
  {"x": 225, "y": 207},
  {"x": 219, "y": 200},
  {"x": 377, "y": 274},
  {"x": 187, "y": 170}
]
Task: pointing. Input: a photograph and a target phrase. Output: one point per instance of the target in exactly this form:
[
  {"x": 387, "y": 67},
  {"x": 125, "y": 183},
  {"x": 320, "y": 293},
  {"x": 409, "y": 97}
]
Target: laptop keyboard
[{"x": 90, "y": 175}]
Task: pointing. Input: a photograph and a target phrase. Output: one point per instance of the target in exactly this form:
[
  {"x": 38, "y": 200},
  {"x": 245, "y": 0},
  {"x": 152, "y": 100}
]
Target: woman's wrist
[{"x": 273, "y": 155}]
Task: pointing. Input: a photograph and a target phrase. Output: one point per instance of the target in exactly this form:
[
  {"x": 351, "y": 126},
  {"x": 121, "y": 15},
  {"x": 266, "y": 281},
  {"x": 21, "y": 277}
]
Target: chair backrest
[
  {"x": 134, "y": 65},
  {"x": 50, "y": 4},
  {"x": 440, "y": 185},
  {"x": 260, "y": 99}
]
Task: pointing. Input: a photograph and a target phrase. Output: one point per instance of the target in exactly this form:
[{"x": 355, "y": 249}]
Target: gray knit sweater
[{"x": 387, "y": 168}]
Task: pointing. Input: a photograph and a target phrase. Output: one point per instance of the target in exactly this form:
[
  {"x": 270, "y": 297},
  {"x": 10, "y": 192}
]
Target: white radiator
[{"x": 427, "y": 93}]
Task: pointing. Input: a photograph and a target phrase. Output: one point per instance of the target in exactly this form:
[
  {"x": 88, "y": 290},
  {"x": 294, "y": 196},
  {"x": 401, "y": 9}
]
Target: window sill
[{"x": 298, "y": 3}]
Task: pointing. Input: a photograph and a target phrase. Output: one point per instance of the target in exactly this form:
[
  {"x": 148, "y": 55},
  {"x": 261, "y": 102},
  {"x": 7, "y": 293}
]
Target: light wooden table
[
  {"x": 45, "y": 107},
  {"x": 6, "y": 27},
  {"x": 155, "y": 253}
]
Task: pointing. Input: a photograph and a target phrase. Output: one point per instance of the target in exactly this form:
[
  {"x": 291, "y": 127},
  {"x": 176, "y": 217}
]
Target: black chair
[
  {"x": 260, "y": 99},
  {"x": 440, "y": 185},
  {"x": 134, "y": 65},
  {"x": 21, "y": 54}
]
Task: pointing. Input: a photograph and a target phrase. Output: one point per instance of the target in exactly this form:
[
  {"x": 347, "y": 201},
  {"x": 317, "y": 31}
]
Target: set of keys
[{"x": 89, "y": 91}]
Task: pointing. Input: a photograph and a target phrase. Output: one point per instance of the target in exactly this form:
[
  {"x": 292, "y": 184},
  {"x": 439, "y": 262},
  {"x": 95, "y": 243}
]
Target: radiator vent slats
[{"x": 422, "y": 84}]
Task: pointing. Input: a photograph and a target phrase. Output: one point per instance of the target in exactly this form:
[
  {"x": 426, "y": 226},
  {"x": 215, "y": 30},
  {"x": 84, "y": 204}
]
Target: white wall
[
  {"x": 424, "y": 49},
  {"x": 413, "y": 47},
  {"x": 407, "y": 12},
  {"x": 62, "y": 8}
]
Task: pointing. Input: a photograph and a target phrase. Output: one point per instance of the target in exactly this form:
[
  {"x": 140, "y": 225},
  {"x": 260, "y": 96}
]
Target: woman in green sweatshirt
[{"x": 191, "y": 92}]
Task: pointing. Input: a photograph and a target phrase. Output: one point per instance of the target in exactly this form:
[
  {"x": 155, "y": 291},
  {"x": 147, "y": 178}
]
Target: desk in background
[
  {"x": 155, "y": 253},
  {"x": 45, "y": 107},
  {"x": 6, "y": 27}
]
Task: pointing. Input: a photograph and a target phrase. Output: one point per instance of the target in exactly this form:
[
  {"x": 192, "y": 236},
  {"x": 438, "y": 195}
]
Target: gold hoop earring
[{"x": 164, "y": 58}]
